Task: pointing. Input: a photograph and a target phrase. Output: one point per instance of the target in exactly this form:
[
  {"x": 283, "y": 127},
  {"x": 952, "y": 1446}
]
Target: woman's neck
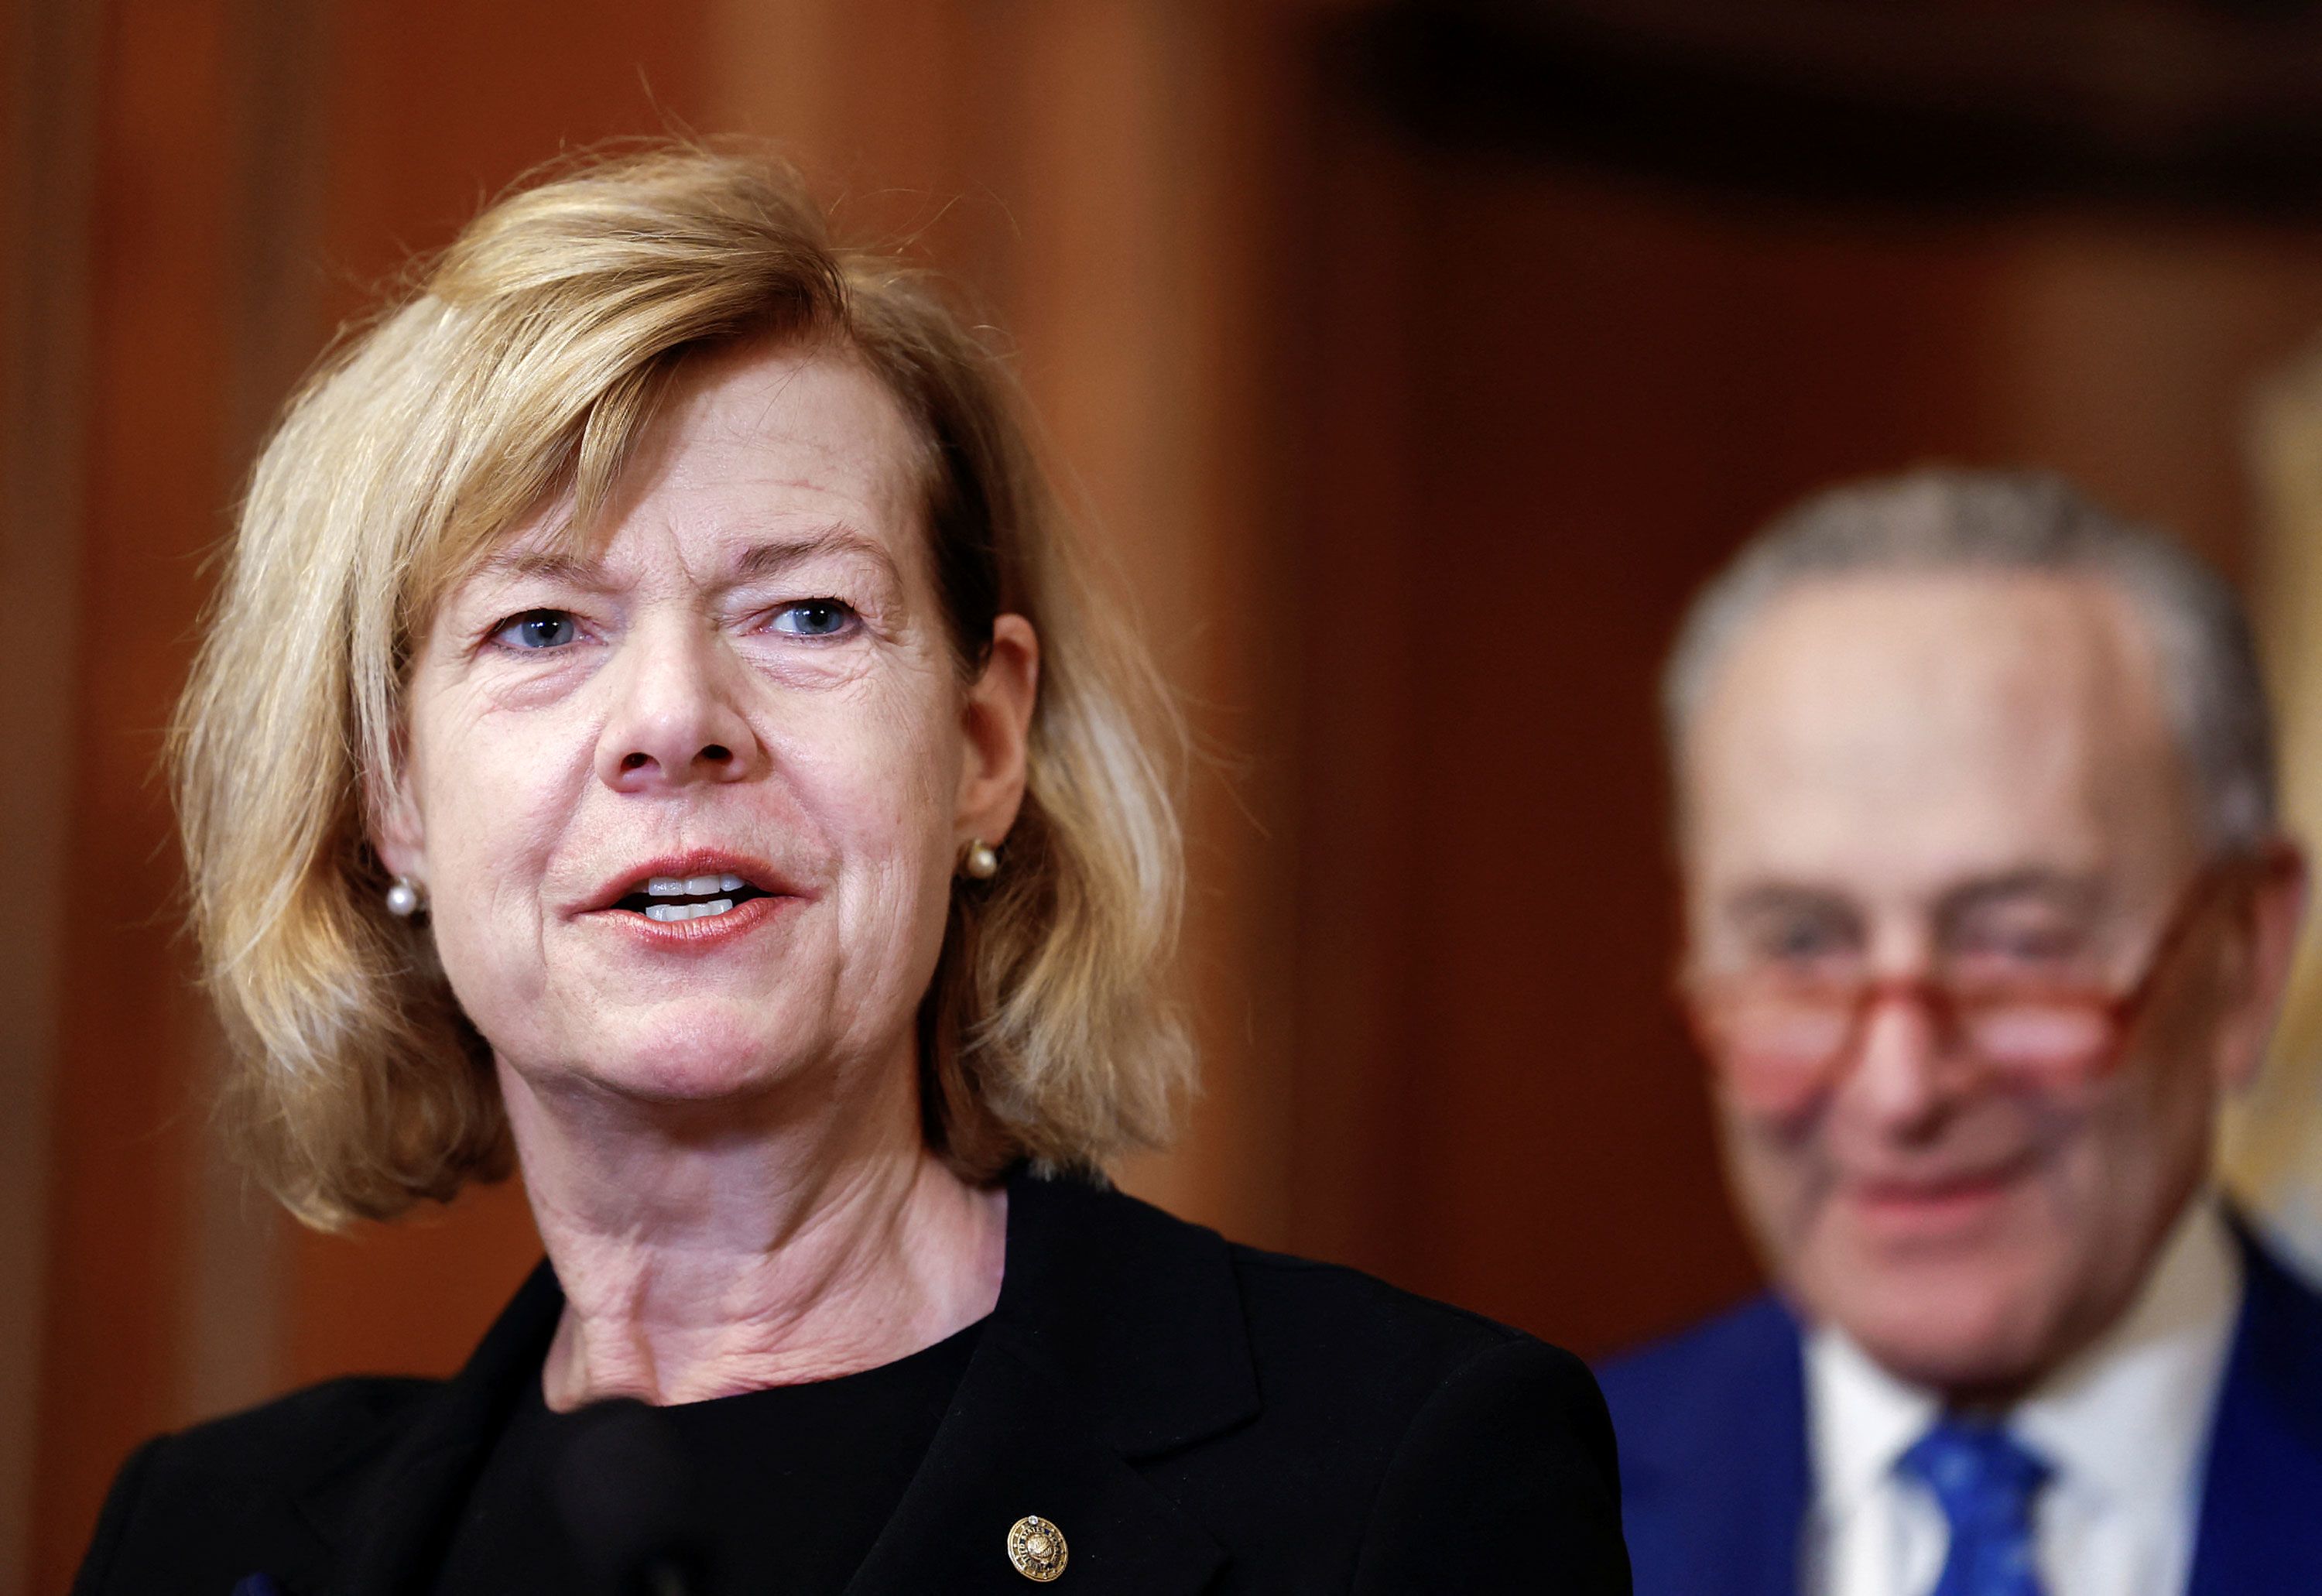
[{"x": 706, "y": 1250}]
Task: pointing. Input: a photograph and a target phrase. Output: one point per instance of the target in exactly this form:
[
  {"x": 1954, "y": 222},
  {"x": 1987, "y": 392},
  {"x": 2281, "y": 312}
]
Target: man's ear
[
  {"x": 997, "y": 717},
  {"x": 2275, "y": 912}
]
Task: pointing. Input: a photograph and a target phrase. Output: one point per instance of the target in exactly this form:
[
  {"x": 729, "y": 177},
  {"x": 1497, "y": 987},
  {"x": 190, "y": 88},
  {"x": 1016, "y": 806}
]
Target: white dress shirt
[{"x": 2124, "y": 1425}]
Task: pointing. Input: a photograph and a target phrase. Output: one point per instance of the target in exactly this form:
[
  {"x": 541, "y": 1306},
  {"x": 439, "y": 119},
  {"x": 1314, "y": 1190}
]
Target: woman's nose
[{"x": 677, "y": 720}]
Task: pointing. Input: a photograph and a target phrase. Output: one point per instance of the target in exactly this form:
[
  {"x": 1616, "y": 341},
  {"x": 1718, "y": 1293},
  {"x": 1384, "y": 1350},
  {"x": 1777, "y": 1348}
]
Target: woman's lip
[
  {"x": 699, "y": 861},
  {"x": 704, "y": 932}
]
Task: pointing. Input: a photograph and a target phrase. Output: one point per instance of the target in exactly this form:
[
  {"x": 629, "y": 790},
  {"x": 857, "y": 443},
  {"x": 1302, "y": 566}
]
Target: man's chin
[{"x": 1952, "y": 1328}]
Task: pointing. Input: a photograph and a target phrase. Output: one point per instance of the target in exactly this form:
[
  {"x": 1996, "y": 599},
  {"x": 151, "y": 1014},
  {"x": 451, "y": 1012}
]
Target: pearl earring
[
  {"x": 980, "y": 862},
  {"x": 403, "y": 899}
]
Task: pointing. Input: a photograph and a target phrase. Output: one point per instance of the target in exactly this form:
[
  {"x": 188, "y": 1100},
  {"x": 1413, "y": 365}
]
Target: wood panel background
[{"x": 1407, "y": 458}]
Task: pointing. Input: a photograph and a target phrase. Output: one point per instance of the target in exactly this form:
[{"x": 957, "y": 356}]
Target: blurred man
[{"x": 1986, "y": 907}]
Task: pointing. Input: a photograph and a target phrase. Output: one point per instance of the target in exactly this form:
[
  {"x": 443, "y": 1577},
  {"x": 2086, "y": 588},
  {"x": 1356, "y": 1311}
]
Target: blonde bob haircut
[{"x": 516, "y": 372}]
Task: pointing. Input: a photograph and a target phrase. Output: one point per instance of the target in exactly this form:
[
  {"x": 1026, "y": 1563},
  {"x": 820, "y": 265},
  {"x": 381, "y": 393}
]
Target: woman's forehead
[
  {"x": 754, "y": 456},
  {"x": 772, "y": 432},
  {"x": 769, "y": 412}
]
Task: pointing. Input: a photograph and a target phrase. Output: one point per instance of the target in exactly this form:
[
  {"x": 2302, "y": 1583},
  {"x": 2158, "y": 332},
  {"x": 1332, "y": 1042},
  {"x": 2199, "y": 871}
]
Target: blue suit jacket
[{"x": 1713, "y": 1462}]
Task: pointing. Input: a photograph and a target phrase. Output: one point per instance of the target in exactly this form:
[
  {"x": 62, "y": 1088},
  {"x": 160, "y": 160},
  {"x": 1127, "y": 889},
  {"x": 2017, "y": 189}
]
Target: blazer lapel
[
  {"x": 2264, "y": 1481},
  {"x": 1018, "y": 1443},
  {"x": 392, "y": 1527},
  {"x": 1118, "y": 1335}
]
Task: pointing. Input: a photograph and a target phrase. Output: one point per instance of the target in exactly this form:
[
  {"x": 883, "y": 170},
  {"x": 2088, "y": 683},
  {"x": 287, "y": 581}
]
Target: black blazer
[{"x": 1193, "y": 1416}]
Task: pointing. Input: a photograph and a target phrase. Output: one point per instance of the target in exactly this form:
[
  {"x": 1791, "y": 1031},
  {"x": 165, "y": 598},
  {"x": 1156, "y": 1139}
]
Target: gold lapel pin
[{"x": 1037, "y": 1548}]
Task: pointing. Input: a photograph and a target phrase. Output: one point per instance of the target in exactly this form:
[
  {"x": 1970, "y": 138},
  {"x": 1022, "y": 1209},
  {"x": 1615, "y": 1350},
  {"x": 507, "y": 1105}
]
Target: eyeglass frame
[{"x": 1941, "y": 999}]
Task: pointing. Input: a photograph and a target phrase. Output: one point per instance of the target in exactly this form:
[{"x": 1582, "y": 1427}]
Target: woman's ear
[
  {"x": 997, "y": 717},
  {"x": 397, "y": 836}
]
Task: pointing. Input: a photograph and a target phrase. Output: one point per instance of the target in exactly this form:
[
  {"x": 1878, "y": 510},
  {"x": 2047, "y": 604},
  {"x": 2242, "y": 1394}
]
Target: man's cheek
[{"x": 1774, "y": 1176}]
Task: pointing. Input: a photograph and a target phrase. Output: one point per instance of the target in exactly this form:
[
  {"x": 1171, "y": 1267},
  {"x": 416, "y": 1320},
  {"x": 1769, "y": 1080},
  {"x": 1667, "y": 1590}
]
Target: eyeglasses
[{"x": 1779, "y": 1037}]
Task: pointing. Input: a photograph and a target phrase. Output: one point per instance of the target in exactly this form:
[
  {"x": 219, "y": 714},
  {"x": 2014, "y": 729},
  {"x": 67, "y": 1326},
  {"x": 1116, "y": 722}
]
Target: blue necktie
[{"x": 1985, "y": 1481}]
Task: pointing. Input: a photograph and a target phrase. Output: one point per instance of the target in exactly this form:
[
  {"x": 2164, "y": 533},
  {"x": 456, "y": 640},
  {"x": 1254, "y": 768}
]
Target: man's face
[{"x": 1913, "y": 776}]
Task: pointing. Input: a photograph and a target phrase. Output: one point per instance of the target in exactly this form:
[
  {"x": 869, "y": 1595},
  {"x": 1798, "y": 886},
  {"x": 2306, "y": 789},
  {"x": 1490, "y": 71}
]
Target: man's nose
[
  {"x": 677, "y": 716},
  {"x": 1899, "y": 1080}
]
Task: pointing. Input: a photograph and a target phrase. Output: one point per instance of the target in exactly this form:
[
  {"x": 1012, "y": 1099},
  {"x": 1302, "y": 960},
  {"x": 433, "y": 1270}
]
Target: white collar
[
  {"x": 2129, "y": 1420},
  {"x": 2126, "y": 1422},
  {"x": 1862, "y": 1417}
]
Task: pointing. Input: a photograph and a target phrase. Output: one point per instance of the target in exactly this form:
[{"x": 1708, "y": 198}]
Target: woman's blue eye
[
  {"x": 539, "y": 628},
  {"x": 813, "y": 617}
]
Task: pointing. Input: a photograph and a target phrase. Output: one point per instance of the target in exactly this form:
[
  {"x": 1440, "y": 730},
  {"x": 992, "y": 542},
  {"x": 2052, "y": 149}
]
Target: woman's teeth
[
  {"x": 671, "y": 912},
  {"x": 713, "y": 895},
  {"x": 692, "y": 886}
]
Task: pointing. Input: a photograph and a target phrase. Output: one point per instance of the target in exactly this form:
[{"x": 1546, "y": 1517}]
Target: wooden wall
[
  {"x": 47, "y": 58},
  {"x": 1407, "y": 458}
]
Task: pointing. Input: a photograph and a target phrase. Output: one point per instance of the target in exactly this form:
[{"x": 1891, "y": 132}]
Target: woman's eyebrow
[
  {"x": 754, "y": 563},
  {"x": 516, "y": 564},
  {"x": 761, "y": 561}
]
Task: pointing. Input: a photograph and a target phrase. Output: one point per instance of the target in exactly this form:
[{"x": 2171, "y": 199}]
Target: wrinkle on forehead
[
  {"x": 885, "y": 459},
  {"x": 1904, "y": 732}
]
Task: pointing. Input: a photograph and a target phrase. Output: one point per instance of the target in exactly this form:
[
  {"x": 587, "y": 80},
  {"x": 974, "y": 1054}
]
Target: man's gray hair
[{"x": 1945, "y": 520}]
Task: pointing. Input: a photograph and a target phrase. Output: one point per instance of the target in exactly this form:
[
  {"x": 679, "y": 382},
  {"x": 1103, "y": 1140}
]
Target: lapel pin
[{"x": 1037, "y": 1548}]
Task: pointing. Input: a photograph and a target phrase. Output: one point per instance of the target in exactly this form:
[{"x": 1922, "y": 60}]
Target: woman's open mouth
[{"x": 670, "y": 899}]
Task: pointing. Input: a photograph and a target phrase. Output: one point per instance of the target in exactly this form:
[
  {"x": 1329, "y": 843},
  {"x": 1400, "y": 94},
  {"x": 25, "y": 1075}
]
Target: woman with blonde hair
[{"x": 650, "y": 734}]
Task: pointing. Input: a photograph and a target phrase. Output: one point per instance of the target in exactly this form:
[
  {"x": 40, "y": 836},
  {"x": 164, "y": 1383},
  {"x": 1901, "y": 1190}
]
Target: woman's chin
[
  {"x": 705, "y": 1078},
  {"x": 692, "y": 1065}
]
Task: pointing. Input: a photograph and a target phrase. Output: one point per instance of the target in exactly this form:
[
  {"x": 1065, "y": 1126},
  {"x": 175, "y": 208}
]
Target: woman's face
[{"x": 686, "y": 812}]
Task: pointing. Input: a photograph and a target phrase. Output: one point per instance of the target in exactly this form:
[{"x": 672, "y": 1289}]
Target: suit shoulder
[
  {"x": 1480, "y": 1455},
  {"x": 1319, "y": 1330},
  {"x": 1674, "y": 1395},
  {"x": 1737, "y": 1342},
  {"x": 1124, "y": 1248},
  {"x": 223, "y": 1489},
  {"x": 1299, "y": 1297},
  {"x": 312, "y": 1421},
  {"x": 1314, "y": 1331},
  {"x": 298, "y": 1438},
  {"x": 2280, "y": 1294}
]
